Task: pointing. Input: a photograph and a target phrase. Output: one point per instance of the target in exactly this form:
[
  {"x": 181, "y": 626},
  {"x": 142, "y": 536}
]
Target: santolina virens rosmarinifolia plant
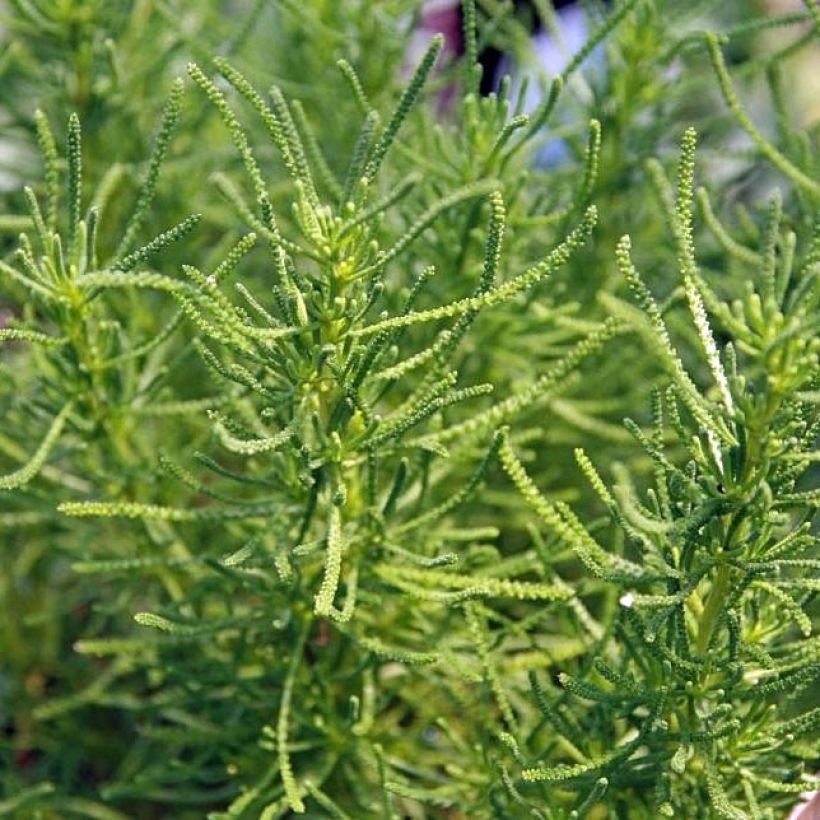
[{"x": 356, "y": 465}]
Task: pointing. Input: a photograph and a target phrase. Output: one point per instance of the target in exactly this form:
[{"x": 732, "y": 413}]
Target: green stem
[
  {"x": 712, "y": 610},
  {"x": 292, "y": 790}
]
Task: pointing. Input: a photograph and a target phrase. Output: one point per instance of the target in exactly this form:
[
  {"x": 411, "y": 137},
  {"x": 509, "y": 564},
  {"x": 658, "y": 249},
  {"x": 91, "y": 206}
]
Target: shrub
[{"x": 357, "y": 465}]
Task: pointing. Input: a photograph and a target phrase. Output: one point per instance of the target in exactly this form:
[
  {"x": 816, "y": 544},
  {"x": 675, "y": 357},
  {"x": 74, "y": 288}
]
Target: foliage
[{"x": 315, "y": 493}]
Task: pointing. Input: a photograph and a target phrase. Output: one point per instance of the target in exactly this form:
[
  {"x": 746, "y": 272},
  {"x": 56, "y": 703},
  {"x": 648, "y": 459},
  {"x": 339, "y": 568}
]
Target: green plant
[
  {"x": 293, "y": 506},
  {"x": 715, "y": 594}
]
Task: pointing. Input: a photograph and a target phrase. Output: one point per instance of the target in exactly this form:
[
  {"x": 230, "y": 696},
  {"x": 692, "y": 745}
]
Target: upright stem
[
  {"x": 712, "y": 609},
  {"x": 292, "y": 791}
]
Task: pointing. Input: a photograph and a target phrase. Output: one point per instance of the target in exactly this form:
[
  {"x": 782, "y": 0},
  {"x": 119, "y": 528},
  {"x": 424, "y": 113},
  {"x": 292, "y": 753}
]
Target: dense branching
[{"x": 362, "y": 459}]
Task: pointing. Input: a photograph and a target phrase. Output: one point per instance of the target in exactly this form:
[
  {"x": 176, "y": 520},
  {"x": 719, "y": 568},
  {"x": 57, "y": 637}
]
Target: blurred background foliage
[{"x": 64, "y": 723}]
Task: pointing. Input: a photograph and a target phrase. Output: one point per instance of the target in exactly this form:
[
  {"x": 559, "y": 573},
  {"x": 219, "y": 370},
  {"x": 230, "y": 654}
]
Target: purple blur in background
[{"x": 548, "y": 58}]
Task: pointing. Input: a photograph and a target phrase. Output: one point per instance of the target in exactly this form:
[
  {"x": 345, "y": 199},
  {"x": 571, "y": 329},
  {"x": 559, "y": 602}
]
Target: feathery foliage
[{"x": 359, "y": 462}]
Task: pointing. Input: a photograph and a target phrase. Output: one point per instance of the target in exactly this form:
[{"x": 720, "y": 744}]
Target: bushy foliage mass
[{"x": 357, "y": 463}]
